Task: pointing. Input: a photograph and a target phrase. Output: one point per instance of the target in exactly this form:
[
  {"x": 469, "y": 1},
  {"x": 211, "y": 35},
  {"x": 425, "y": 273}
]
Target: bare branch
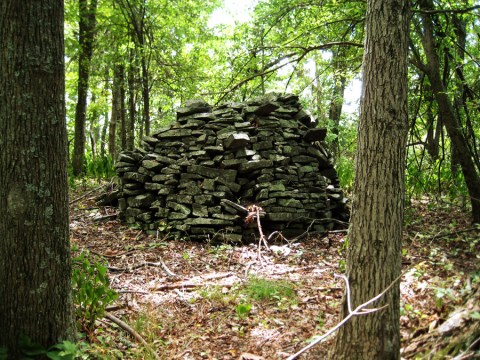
[
  {"x": 294, "y": 57},
  {"x": 448, "y": 11},
  {"x": 132, "y": 332},
  {"x": 359, "y": 310}
]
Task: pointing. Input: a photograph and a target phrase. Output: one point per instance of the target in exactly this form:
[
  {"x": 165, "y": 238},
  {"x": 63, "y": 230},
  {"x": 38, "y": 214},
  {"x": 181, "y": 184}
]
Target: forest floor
[{"x": 191, "y": 300}]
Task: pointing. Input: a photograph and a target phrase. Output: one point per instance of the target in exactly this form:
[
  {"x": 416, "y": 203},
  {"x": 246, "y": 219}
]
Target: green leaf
[{"x": 31, "y": 348}]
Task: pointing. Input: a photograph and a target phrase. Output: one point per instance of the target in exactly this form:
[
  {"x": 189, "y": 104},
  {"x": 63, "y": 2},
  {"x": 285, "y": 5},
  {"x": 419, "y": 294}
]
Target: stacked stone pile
[{"x": 199, "y": 175}]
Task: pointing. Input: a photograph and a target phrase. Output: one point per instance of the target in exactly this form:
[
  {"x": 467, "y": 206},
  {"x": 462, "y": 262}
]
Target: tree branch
[
  {"x": 132, "y": 332},
  {"x": 299, "y": 57},
  {"x": 359, "y": 310},
  {"x": 447, "y": 11}
]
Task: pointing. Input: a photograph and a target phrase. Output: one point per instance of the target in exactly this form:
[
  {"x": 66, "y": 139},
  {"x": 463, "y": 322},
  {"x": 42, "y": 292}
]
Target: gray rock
[{"x": 197, "y": 173}]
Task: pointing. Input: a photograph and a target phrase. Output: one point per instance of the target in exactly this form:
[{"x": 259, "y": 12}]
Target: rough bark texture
[
  {"x": 374, "y": 247},
  {"x": 35, "y": 269}
]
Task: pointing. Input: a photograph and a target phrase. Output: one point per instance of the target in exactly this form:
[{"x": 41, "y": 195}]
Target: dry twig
[
  {"x": 359, "y": 310},
  {"x": 87, "y": 193},
  {"x": 160, "y": 264},
  {"x": 132, "y": 332}
]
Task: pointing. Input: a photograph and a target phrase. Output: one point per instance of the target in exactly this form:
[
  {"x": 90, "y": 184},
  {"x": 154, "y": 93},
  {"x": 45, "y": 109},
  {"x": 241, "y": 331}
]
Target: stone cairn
[{"x": 201, "y": 176}]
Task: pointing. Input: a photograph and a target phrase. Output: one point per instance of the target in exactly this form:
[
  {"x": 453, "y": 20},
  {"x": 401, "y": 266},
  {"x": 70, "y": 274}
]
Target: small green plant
[
  {"x": 243, "y": 310},
  {"x": 475, "y": 315},
  {"x": 346, "y": 172},
  {"x": 64, "y": 350},
  {"x": 220, "y": 295},
  {"x": 443, "y": 293},
  {"x": 262, "y": 289},
  {"x": 91, "y": 291},
  {"x": 100, "y": 167},
  {"x": 220, "y": 250}
]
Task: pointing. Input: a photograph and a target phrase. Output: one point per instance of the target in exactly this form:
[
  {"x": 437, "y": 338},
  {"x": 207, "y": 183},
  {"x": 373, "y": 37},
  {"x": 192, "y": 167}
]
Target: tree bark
[
  {"x": 87, "y": 25},
  {"x": 145, "y": 91},
  {"x": 132, "y": 113},
  {"x": 35, "y": 268},
  {"x": 117, "y": 109},
  {"x": 374, "y": 241},
  {"x": 103, "y": 138},
  {"x": 336, "y": 104}
]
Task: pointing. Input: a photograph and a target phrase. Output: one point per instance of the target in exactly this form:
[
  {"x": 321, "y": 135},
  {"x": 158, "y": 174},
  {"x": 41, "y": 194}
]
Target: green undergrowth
[{"x": 242, "y": 297}]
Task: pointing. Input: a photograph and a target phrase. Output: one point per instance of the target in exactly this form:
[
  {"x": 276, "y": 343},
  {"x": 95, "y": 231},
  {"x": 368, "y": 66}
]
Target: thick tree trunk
[
  {"x": 35, "y": 270},
  {"x": 374, "y": 241},
  {"x": 86, "y": 35}
]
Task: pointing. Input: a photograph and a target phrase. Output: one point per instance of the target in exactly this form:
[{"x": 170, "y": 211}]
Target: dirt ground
[{"x": 191, "y": 300}]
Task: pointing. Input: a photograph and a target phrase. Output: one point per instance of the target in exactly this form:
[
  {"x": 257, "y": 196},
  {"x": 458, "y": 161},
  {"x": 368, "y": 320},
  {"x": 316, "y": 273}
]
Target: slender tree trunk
[
  {"x": 35, "y": 268},
  {"x": 145, "y": 82},
  {"x": 117, "y": 109},
  {"x": 123, "y": 113},
  {"x": 93, "y": 130},
  {"x": 335, "y": 111},
  {"x": 87, "y": 25},
  {"x": 103, "y": 137},
  {"x": 434, "y": 129},
  {"x": 374, "y": 241},
  {"x": 318, "y": 95},
  {"x": 146, "y": 96},
  {"x": 132, "y": 113},
  {"x": 447, "y": 113}
]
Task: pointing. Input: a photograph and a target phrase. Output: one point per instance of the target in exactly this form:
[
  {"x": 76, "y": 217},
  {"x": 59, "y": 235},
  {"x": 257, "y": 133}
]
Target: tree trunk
[
  {"x": 335, "y": 111},
  {"x": 374, "y": 241},
  {"x": 132, "y": 113},
  {"x": 103, "y": 138},
  {"x": 35, "y": 267},
  {"x": 145, "y": 80},
  {"x": 117, "y": 109},
  {"x": 86, "y": 35},
  {"x": 93, "y": 131},
  {"x": 447, "y": 113},
  {"x": 123, "y": 112}
]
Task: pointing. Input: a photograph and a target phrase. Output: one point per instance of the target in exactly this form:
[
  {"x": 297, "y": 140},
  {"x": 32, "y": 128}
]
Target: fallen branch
[
  {"x": 184, "y": 286},
  {"x": 104, "y": 218},
  {"x": 359, "y": 310},
  {"x": 113, "y": 256},
  {"x": 86, "y": 194},
  {"x": 160, "y": 264},
  {"x": 442, "y": 235},
  {"x": 132, "y": 332},
  {"x": 191, "y": 285},
  {"x": 287, "y": 271},
  {"x": 262, "y": 239}
]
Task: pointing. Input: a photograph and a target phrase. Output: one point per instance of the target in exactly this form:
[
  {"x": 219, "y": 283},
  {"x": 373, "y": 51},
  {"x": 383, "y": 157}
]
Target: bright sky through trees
[
  {"x": 232, "y": 11},
  {"x": 239, "y": 11}
]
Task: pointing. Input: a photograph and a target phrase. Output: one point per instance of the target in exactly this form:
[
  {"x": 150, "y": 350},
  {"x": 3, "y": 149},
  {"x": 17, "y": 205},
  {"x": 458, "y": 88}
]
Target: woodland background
[{"x": 131, "y": 63}]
